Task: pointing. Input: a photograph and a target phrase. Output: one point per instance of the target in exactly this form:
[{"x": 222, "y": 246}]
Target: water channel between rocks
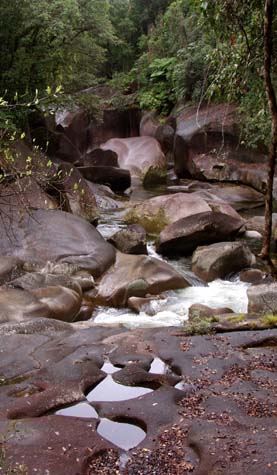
[{"x": 172, "y": 310}]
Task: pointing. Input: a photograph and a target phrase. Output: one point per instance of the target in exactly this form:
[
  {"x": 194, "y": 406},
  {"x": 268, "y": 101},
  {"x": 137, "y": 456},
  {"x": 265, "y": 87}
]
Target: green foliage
[
  {"x": 46, "y": 43},
  {"x": 236, "y": 31}
]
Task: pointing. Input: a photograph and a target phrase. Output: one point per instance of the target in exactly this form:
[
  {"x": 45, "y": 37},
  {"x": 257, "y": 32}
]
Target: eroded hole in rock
[
  {"x": 108, "y": 391},
  {"x": 125, "y": 435},
  {"x": 82, "y": 409}
]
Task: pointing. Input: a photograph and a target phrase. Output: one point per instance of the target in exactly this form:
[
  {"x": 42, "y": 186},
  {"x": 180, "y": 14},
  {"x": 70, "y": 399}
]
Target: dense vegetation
[
  {"x": 162, "y": 51},
  {"x": 155, "y": 53}
]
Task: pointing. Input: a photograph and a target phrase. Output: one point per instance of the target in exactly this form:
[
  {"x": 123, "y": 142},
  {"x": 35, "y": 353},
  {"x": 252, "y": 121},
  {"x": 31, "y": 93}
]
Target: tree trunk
[{"x": 268, "y": 19}]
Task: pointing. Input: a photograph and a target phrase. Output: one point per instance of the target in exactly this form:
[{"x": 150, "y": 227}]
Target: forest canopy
[{"x": 162, "y": 51}]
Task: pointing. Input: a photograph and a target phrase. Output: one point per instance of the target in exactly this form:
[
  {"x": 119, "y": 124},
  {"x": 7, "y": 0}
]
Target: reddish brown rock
[{"x": 186, "y": 234}]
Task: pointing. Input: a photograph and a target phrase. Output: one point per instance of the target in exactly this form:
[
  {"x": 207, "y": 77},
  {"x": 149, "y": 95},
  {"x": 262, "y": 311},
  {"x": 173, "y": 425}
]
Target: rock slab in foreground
[
  {"x": 222, "y": 421},
  {"x": 220, "y": 259}
]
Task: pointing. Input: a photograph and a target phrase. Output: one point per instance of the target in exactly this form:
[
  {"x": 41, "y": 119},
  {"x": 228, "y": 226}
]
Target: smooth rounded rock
[
  {"x": 220, "y": 259},
  {"x": 59, "y": 238},
  {"x": 63, "y": 303},
  {"x": 139, "y": 155},
  {"x": 185, "y": 235},
  {"x": 136, "y": 276},
  {"x": 156, "y": 213}
]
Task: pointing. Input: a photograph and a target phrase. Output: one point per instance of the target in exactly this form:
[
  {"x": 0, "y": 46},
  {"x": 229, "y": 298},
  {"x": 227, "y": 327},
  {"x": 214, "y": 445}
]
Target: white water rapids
[{"x": 173, "y": 310}]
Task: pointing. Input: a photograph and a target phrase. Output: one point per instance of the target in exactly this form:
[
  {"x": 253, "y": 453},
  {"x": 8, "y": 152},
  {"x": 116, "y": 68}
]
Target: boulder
[
  {"x": 218, "y": 260},
  {"x": 64, "y": 303},
  {"x": 156, "y": 213},
  {"x": 262, "y": 299},
  {"x": 60, "y": 238},
  {"x": 143, "y": 304},
  {"x": 255, "y": 276},
  {"x": 77, "y": 197},
  {"x": 185, "y": 235},
  {"x": 238, "y": 196},
  {"x": 211, "y": 167},
  {"x": 148, "y": 124},
  {"x": 73, "y": 138},
  {"x": 136, "y": 276},
  {"x": 139, "y": 155},
  {"x": 165, "y": 136},
  {"x": 17, "y": 305},
  {"x": 25, "y": 193},
  {"x": 199, "y": 311},
  {"x": 118, "y": 179},
  {"x": 99, "y": 157},
  {"x": 210, "y": 129},
  {"x": 130, "y": 240}
]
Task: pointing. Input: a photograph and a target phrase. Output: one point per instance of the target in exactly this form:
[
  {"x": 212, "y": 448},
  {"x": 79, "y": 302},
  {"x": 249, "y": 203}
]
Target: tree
[
  {"x": 268, "y": 49},
  {"x": 47, "y": 43},
  {"x": 244, "y": 60}
]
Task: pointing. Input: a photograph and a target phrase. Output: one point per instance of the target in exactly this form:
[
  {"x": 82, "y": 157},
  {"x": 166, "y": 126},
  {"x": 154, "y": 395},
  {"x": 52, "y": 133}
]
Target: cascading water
[{"x": 172, "y": 308}]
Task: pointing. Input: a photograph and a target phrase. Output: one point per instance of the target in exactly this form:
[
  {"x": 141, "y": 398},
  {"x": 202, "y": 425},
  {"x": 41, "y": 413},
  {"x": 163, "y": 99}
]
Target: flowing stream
[{"x": 172, "y": 309}]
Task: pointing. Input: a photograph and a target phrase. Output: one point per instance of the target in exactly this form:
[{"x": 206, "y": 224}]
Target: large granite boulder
[
  {"x": 263, "y": 299},
  {"x": 156, "y": 213},
  {"x": 136, "y": 276},
  {"x": 57, "y": 237},
  {"x": 213, "y": 168},
  {"x": 140, "y": 155},
  {"x": 185, "y": 235},
  {"x": 218, "y": 260},
  {"x": 212, "y": 130}
]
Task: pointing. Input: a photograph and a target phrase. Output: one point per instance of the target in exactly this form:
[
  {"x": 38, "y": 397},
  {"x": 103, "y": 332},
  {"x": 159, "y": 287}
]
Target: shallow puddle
[
  {"x": 124, "y": 435},
  {"x": 158, "y": 366},
  {"x": 109, "y": 368},
  {"x": 108, "y": 391},
  {"x": 82, "y": 409}
]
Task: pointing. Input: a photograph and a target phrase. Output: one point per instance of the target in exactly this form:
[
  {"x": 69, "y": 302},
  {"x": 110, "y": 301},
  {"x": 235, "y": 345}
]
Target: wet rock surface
[
  {"x": 75, "y": 241},
  {"x": 131, "y": 240},
  {"x": 139, "y": 155},
  {"x": 186, "y": 234},
  {"x": 136, "y": 276},
  {"x": 220, "y": 420},
  {"x": 220, "y": 259}
]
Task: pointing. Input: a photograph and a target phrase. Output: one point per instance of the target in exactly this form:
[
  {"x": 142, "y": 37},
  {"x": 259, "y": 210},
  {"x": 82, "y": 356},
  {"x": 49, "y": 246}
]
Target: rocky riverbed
[{"x": 137, "y": 324}]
